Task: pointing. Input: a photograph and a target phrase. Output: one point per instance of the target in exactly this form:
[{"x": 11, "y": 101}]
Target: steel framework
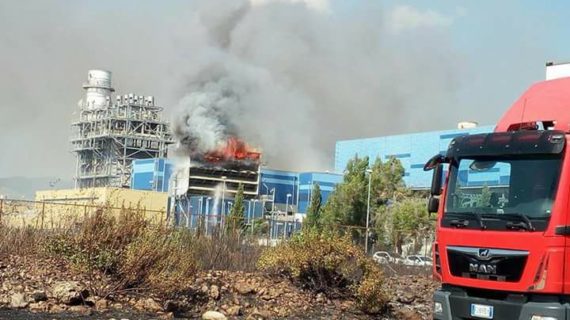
[{"x": 109, "y": 135}]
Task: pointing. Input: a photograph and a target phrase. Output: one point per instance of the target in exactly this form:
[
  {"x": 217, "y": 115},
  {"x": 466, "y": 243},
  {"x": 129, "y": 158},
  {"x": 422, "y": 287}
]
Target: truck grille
[{"x": 486, "y": 263}]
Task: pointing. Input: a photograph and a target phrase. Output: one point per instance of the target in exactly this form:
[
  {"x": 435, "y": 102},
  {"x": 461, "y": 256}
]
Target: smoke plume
[{"x": 292, "y": 77}]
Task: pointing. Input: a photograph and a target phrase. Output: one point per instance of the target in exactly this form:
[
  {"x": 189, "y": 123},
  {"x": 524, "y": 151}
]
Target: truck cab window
[{"x": 519, "y": 185}]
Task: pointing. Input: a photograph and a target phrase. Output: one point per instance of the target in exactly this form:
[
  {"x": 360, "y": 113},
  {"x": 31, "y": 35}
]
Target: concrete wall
[{"x": 59, "y": 208}]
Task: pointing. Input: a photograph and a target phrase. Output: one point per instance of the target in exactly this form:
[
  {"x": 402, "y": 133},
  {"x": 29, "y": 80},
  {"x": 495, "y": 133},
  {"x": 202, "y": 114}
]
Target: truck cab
[{"x": 500, "y": 250}]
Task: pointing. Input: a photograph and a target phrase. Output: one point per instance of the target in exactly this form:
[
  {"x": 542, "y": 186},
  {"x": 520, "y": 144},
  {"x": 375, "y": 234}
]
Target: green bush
[{"x": 330, "y": 264}]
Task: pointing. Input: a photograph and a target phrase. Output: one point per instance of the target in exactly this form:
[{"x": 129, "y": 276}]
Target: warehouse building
[{"x": 413, "y": 150}]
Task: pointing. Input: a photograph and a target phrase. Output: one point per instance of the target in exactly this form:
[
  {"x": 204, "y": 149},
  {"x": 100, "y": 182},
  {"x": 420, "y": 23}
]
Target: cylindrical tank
[
  {"x": 98, "y": 89},
  {"x": 467, "y": 125}
]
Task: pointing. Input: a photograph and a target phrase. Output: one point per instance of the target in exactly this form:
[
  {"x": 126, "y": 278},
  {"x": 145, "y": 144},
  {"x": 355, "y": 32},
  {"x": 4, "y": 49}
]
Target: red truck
[{"x": 501, "y": 249}]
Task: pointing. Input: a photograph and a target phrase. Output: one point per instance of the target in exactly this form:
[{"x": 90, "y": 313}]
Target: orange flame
[{"x": 235, "y": 149}]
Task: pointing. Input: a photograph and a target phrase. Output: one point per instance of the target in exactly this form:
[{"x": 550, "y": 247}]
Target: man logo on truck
[{"x": 482, "y": 268}]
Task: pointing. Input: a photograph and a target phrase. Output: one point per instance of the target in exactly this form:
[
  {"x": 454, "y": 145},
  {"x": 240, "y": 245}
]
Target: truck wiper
[
  {"x": 524, "y": 224},
  {"x": 462, "y": 223},
  {"x": 459, "y": 223}
]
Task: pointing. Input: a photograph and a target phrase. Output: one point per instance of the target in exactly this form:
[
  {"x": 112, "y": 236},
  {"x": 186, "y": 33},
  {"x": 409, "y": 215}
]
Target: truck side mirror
[
  {"x": 434, "y": 161},
  {"x": 436, "y": 180},
  {"x": 433, "y": 204}
]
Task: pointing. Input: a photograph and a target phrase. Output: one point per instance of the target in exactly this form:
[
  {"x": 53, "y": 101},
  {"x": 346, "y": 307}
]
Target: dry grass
[
  {"x": 135, "y": 254},
  {"x": 20, "y": 241},
  {"x": 232, "y": 251}
]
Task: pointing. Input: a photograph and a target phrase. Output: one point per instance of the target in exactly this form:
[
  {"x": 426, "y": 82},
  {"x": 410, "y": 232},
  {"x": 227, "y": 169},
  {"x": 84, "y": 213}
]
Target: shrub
[
  {"x": 161, "y": 259},
  {"x": 330, "y": 264},
  {"x": 135, "y": 253},
  {"x": 99, "y": 241}
]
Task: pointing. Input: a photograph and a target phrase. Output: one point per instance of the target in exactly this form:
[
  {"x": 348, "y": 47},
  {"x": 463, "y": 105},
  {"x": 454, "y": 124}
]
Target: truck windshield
[{"x": 504, "y": 188}]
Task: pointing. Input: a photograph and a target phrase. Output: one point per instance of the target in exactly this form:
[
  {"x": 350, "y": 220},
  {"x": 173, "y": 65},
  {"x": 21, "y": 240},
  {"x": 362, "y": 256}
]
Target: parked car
[
  {"x": 383, "y": 257},
  {"x": 417, "y": 260}
]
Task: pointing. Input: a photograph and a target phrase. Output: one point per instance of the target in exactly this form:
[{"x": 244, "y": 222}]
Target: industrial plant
[{"x": 121, "y": 143}]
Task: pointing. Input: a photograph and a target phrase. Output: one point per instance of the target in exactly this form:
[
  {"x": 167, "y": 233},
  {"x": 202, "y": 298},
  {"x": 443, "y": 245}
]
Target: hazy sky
[{"x": 465, "y": 60}]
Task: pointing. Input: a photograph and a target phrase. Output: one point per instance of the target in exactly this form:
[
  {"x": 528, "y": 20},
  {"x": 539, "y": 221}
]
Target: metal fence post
[{"x": 43, "y": 213}]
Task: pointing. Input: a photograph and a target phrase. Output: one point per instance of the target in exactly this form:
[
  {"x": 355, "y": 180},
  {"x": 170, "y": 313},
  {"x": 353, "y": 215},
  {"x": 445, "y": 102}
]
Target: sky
[{"x": 457, "y": 60}]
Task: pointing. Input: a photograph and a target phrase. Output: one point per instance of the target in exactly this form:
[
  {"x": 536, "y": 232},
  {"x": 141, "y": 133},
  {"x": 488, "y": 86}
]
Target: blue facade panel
[
  {"x": 191, "y": 211},
  {"x": 283, "y": 182},
  {"x": 298, "y": 185},
  {"x": 151, "y": 174},
  {"x": 413, "y": 150},
  {"x": 326, "y": 181}
]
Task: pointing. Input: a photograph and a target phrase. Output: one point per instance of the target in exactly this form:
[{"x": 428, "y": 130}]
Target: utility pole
[
  {"x": 369, "y": 171},
  {"x": 223, "y": 205}
]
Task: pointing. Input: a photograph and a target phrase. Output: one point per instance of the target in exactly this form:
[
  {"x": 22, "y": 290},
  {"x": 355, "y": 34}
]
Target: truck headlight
[
  {"x": 438, "y": 308},
  {"x": 536, "y": 317}
]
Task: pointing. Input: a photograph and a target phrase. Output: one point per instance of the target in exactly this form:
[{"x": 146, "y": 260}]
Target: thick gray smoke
[
  {"x": 292, "y": 78},
  {"x": 302, "y": 74},
  {"x": 206, "y": 124}
]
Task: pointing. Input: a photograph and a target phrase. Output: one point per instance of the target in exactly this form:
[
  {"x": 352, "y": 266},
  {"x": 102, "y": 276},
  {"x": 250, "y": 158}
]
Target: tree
[
  {"x": 347, "y": 203},
  {"x": 236, "y": 217},
  {"x": 405, "y": 220},
  {"x": 313, "y": 219},
  {"x": 484, "y": 199}
]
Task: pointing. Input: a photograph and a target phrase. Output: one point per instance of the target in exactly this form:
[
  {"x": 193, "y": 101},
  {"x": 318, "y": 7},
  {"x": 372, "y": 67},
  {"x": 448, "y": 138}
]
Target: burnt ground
[{"x": 27, "y": 292}]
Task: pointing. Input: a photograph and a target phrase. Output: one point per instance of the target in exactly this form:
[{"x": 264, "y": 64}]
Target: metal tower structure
[{"x": 109, "y": 134}]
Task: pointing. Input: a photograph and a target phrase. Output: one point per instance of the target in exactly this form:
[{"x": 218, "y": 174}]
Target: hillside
[{"x": 25, "y": 188}]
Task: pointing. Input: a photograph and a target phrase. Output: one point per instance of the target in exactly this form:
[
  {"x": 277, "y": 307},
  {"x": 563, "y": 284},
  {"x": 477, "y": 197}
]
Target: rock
[
  {"x": 18, "y": 301},
  {"x": 265, "y": 314},
  {"x": 148, "y": 304},
  {"x": 406, "y": 298},
  {"x": 101, "y": 304},
  {"x": 214, "y": 292},
  {"x": 170, "y": 306},
  {"x": 213, "y": 315},
  {"x": 244, "y": 288},
  {"x": 234, "y": 311},
  {"x": 82, "y": 310},
  {"x": 39, "y": 296},
  {"x": 168, "y": 315},
  {"x": 405, "y": 314},
  {"x": 38, "y": 307},
  {"x": 69, "y": 292},
  {"x": 57, "y": 308}
]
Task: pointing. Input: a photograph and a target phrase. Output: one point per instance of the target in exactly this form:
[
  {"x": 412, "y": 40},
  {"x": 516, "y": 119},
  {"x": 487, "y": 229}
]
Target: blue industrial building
[
  {"x": 292, "y": 189},
  {"x": 288, "y": 187},
  {"x": 285, "y": 187},
  {"x": 413, "y": 150}
]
